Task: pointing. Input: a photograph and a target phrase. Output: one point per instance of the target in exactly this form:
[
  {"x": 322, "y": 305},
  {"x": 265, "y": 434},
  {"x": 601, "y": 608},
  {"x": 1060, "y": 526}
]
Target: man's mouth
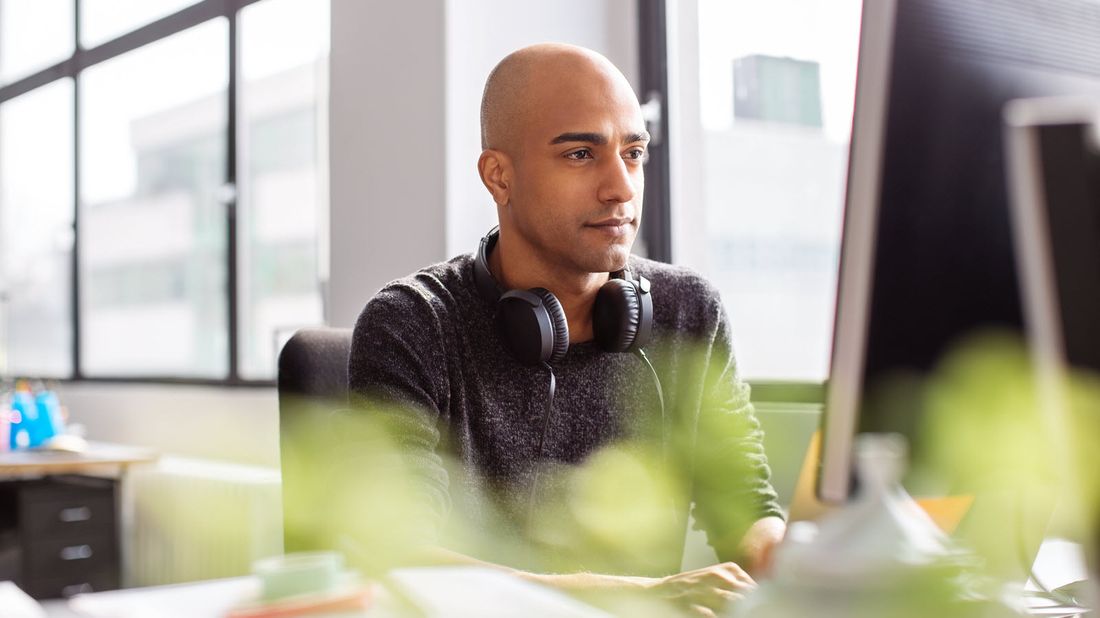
[{"x": 613, "y": 226}]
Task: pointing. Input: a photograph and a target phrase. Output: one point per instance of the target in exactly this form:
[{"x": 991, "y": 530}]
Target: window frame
[
  {"x": 653, "y": 82},
  {"x": 72, "y": 67},
  {"x": 653, "y": 54}
]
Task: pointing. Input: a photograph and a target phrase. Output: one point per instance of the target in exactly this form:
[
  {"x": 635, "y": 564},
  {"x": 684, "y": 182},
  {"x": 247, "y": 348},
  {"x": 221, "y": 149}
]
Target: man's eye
[
  {"x": 636, "y": 154},
  {"x": 578, "y": 155}
]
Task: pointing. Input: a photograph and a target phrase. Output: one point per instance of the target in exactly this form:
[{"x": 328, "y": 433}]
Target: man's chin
[{"x": 610, "y": 260}]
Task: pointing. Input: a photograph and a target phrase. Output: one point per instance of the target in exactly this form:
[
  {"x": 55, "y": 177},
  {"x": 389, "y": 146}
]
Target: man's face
[{"x": 576, "y": 195}]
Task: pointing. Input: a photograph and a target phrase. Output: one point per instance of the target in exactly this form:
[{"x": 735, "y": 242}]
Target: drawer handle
[
  {"x": 75, "y": 589},
  {"x": 74, "y": 514},
  {"x": 76, "y": 552}
]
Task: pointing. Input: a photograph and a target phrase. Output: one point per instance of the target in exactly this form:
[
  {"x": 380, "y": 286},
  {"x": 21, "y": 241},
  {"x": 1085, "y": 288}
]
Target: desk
[
  {"x": 59, "y": 518},
  {"x": 100, "y": 457},
  {"x": 441, "y": 592},
  {"x": 452, "y": 592}
]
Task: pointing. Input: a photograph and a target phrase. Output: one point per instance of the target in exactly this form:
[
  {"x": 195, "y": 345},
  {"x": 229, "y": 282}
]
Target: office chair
[
  {"x": 314, "y": 364},
  {"x": 313, "y": 386}
]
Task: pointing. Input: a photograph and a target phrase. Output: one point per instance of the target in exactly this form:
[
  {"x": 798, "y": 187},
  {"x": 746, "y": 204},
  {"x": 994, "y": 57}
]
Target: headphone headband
[
  {"x": 486, "y": 284},
  {"x": 489, "y": 287},
  {"x": 533, "y": 323}
]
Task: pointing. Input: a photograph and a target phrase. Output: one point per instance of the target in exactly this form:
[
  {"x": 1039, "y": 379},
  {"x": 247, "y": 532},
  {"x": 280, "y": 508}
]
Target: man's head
[{"x": 564, "y": 142}]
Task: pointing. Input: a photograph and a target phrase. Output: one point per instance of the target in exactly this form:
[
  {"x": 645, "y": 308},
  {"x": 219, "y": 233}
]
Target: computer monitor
[
  {"x": 1054, "y": 158},
  {"x": 927, "y": 255}
]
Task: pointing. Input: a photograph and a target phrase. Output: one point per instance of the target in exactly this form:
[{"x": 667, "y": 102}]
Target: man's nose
[{"x": 617, "y": 182}]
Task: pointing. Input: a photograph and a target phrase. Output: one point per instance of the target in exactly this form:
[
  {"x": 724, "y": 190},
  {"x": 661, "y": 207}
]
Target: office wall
[
  {"x": 406, "y": 81},
  {"x": 387, "y": 146},
  {"x": 232, "y": 424}
]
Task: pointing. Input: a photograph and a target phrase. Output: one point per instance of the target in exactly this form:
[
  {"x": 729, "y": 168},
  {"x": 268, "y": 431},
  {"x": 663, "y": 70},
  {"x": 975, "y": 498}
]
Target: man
[{"x": 564, "y": 144}]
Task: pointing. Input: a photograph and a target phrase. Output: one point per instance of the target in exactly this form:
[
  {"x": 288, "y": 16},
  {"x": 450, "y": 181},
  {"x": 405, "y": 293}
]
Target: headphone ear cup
[
  {"x": 645, "y": 314},
  {"x": 617, "y": 315},
  {"x": 558, "y": 322},
  {"x": 533, "y": 325}
]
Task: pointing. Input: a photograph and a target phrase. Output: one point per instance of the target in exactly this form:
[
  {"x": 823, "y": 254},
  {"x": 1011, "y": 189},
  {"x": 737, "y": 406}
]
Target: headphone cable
[
  {"x": 548, "y": 414},
  {"x": 542, "y": 439},
  {"x": 660, "y": 392}
]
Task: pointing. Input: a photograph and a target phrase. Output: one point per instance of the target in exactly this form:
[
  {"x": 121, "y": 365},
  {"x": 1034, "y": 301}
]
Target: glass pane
[
  {"x": 103, "y": 20},
  {"x": 153, "y": 233},
  {"x": 283, "y": 199},
  {"x": 34, "y": 34},
  {"x": 36, "y": 232},
  {"x": 777, "y": 85}
]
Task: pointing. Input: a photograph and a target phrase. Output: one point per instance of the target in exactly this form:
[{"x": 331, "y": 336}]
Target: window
[
  {"x": 33, "y": 35},
  {"x": 153, "y": 251},
  {"x": 763, "y": 145},
  {"x": 103, "y": 20},
  {"x": 36, "y": 232},
  {"x": 196, "y": 213},
  {"x": 282, "y": 185}
]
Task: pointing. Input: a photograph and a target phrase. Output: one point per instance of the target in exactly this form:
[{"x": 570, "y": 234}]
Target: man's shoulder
[
  {"x": 435, "y": 289},
  {"x": 684, "y": 301},
  {"x": 671, "y": 281}
]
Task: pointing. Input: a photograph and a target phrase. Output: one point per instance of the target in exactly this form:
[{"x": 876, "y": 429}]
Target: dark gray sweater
[{"x": 427, "y": 344}]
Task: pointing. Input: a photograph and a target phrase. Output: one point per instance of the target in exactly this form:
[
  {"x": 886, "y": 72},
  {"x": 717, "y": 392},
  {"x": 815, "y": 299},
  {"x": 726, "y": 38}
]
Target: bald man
[{"x": 564, "y": 145}]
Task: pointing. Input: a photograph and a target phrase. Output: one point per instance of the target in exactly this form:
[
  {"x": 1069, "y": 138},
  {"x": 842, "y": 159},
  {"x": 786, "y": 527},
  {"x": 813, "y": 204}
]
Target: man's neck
[{"x": 517, "y": 266}]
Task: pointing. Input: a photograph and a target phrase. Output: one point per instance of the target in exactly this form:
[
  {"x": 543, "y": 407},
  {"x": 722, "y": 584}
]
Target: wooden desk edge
[{"x": 100, "y": 456}]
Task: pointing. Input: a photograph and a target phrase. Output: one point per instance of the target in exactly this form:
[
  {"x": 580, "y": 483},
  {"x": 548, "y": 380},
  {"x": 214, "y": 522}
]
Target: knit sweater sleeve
[
  {"x": 397, "y": 373},
  {"x": 732, "y": 477}
]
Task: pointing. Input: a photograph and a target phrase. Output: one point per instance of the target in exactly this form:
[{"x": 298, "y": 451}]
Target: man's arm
[
  {"x": 734, "y": 500},
  {"x": 759, "y": 543},
  {"x": 398, "y": 380},
  {"x": 702, "y": 592}
]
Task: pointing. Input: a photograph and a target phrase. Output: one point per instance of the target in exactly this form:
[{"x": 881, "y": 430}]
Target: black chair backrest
[
  {"x": 314, "y": 364},
  {"x": 313, "y": 385}
]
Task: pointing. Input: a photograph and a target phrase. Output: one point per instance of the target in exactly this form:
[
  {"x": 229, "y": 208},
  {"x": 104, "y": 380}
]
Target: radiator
[{"x": 185, "y": 520}]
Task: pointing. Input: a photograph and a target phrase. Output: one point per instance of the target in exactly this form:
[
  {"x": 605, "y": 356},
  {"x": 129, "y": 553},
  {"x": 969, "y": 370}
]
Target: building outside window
[
  {"x": 763, "y": 145},
  {"x": 176, "y": 222}
]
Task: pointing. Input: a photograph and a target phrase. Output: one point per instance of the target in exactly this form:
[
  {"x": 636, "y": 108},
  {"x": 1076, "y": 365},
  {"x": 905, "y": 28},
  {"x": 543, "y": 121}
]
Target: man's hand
[
  {"x": 708, "y": 590},
  {"x": 758, "y": 545},
  {"x": 703, "y": 592}
]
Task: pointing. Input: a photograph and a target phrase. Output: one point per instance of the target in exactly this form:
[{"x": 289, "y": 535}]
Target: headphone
[
  {"x": 533, "y": 325},
  {"x": 532, "y": 322}
]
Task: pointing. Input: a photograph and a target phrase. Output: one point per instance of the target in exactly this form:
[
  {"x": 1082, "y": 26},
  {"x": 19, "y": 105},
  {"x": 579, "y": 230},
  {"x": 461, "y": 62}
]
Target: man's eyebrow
[
  {"x": 591, "y": 138},
  {"x": 596, "y": 138}
]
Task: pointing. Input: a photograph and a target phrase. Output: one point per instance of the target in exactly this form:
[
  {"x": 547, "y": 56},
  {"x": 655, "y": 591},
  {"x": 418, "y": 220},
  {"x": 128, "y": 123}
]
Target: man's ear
[{"x": 495, "y": 169}]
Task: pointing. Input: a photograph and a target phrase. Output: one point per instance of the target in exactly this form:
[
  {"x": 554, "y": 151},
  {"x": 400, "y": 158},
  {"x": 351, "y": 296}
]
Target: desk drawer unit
[
  {"x": 72, "y": 515},
  {"x": 69, "y": 536},
  {"x": 64, "y": 587},
  {"x": 69, "y": 557}
]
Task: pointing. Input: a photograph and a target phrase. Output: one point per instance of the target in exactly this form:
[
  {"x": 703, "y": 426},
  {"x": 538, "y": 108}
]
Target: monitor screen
[
  {"x": 1054, "y": 153},
  {"x": 928, "y": 255}
]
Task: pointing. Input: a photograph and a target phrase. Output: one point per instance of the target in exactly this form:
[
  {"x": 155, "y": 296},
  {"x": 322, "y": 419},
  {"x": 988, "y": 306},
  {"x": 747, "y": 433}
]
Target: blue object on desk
[
  {"x": 49, "y": 413},
  {"x": 35, "y": 419},
  {"x": 23, "y": 415}
]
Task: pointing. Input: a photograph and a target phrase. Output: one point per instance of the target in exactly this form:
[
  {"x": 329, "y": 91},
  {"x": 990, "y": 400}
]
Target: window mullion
[
  {"x": 77, "y": 372},
  {"x": 231, "y": 200}
]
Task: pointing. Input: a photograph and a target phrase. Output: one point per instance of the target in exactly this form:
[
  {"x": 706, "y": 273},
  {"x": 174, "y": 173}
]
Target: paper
[
  {"x": 211, "y": 599},
  {"x": 14, "y": 603},
  {"x": 473, "y": 592},
  {"x": 441, "y": 592}
]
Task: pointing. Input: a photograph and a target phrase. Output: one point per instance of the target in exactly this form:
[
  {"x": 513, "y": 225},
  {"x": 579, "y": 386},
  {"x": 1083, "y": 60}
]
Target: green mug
[{"x": 299, "y": 573}]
